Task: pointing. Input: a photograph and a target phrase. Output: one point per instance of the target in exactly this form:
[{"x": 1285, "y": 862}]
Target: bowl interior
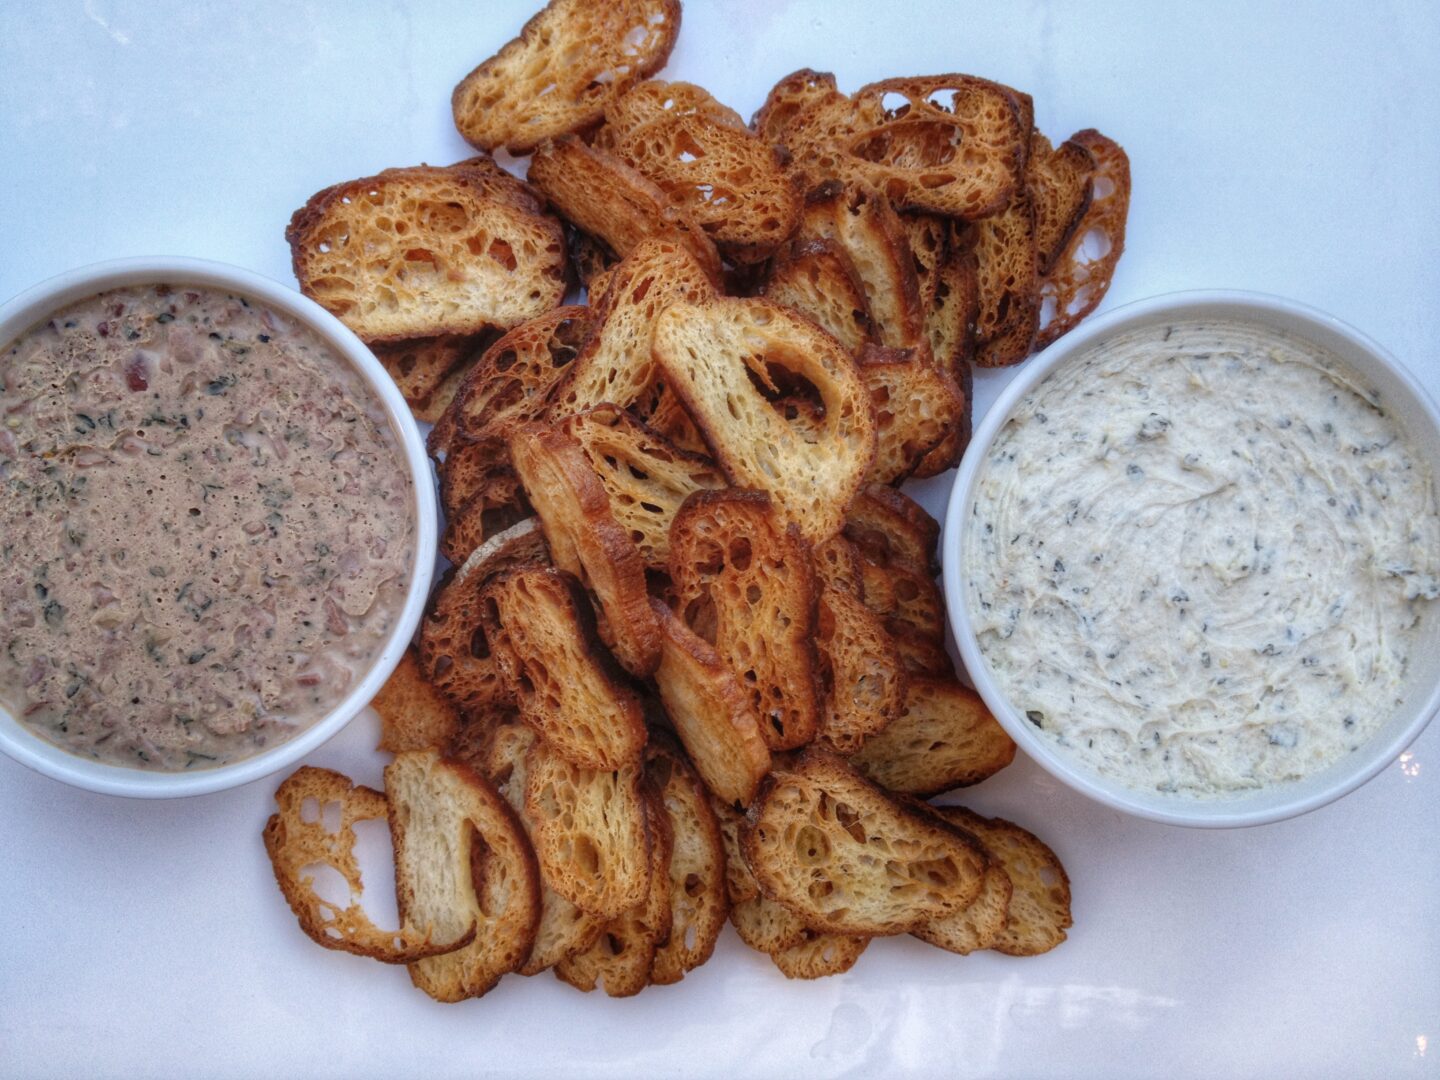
[
  {"x": 24, "y": 311},
  {"x": 1398, "y": 392}
]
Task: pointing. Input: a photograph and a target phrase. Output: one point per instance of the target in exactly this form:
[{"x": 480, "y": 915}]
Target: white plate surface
[{"x": 1274, "y": 148}]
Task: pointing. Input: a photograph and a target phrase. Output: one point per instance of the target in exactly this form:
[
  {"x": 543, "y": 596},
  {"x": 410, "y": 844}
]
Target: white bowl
[
  {"x": 1404, "y": 397},
  {"x": 30, "y": 307}
]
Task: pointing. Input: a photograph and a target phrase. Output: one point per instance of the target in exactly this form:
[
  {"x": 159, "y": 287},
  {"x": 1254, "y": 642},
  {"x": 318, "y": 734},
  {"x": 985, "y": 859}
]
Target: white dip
[{"x": 1199, "y": 556}]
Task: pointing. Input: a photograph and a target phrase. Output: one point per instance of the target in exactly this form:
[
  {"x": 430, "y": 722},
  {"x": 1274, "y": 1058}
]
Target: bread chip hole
[
  {"x": 585, "y": 857},
  {"x": 703, "y": 619},
  {"x": 694, "y": 886},
  {"x": 1104, "y": 187},
  {"x": 503, "y": 253},
  {"x": 614, "y": 945},
  {"x": 812, "y": 846},
  {"x": 310, "y": 811},
  {"x": 330, "y": 889},
  {"x": 739, "y": 553},
  {"x": 943, "y": 100},
  {"x": 894, "y": 105},
  {"x": 1093, "y": 246}
]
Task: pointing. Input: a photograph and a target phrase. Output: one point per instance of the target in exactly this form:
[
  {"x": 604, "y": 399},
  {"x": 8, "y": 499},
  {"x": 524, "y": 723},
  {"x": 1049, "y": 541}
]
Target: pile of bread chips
[{"x": 690, "y": 663}]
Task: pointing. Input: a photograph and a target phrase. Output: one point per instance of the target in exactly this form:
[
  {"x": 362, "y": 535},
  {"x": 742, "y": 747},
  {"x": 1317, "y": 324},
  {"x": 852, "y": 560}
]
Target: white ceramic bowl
[
  {"x": 30, "y": 307},
  {"x": 1405, "y": 399}
]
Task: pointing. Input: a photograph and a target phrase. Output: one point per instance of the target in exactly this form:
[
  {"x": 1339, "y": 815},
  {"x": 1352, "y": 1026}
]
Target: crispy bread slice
[
  {"x": 920, "y": 652},
  {"x": 698, "y": 898},
  {"x": 1061, "y": 183},
  {"x": 916, "y": 406},
  {"x": 745, "y": 581},
  {"x": 950, "y": 329},
  {"x": 598, "y": 193},
  {"x": 890, "y": 529},
  {"x": 591, "y": 259},
  {"x": 556, "y": 77},
  {"x": 414, "y": 714},
  {"x": 945, "y": 738},
  {"x": 477, "y": 470},
  {"x": 817, "y": 279},
  {"x": 1009, "y": 284},
  {"x": 903, "y": 137},
  {"x": 817, "y": 955},
  {"x": 589, "y": 831},
  {"x": 621, "y": 957},
  {"x": 739, "y": 882},
  {"x": 715, "y": 355},
  {"x": 766, "y": 926},
  {"x": 541, "y": 629},
  {"x": 490, "y": 512},
  {"x": 455, "y": 654},
  {"x": 421, "y": 252},
  {"x": 296, "y": 838},
  {"x": 711, "y": 712},
  {"x": 1039, "y": 911},
  {"x": 786, "y": 98},
  {"x": 928, "y": 237},
  {"x": 615, "y": 366},
  {"x": 428, "y": 371},
  {"x": 1080, "y": 277},
  {"x": 879, "y": 247},
  {"x": 585, "y": 540},
  {"x": 710, "y": 166},
  {"x": 903, "y": 598},
  {"x": 443, "y": 818},
  {"x": 510, "y": 382},
  {"x": 563, "y": 928},
  {"x": 860, "y": 668},
  {"x": 848, "y": 859},
  {"x": 980, "y": 925}
]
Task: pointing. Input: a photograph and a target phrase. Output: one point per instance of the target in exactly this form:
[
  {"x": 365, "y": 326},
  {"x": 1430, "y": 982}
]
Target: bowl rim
[
  {"x": 26, "y": 309},
  {"x": 1231, "y": 303}
]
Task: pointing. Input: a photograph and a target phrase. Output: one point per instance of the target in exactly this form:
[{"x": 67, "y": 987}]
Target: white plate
[{"x": 1275, "y": 151}]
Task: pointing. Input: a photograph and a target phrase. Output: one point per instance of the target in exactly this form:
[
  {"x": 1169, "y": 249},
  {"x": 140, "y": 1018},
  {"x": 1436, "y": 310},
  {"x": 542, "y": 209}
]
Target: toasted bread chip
[
  {"x": 698, "y": 898},
  {"x": 861, "y": 670},
  {"x": 950, "y": 329},
  {"x": 837, "y": 565},
  {"x": 585, "y": 540},
  {"x": 916, "y": 405},
  {"x": 296, "y": 838},
  {"x": 1039, "y": 912},
  {"x": 818, "y": 280},
  {"x": 785, "y": 100},
  {"x": 1061, "y": 183},
  {"x": 414, "y": 715},
  {"x": 421, "y": 252},
  {"x": 711, "y": 712},
  {"x": 904, "y": 598},
  {"x": 848, "y": 859},
  {"x": 817, "y": 955},
  {"x": 592, "y": 260},
  {"x": 928, "y": 238},
  {"x": 615, "y": 366},
  {"x": 766, "y": 926},
  {"x": 477, "y": 472},
  {"x": 599, "y": 194},
  {"x": 980, "y": 925},
  {"x": 1009, "y": 284},
  {"x": 541, "y": 629},
  {"x": 510, "y": 382},
  {"x": 564, "y": 928},
  {"x": 904, "y": 138},
  {"x": 890, "y": 529},
  {"x": 428, "y": 371},
  {"x": 920, "y": 652},
  {"x": 482, "y": 519},
  {"x": 621, "y": 957},
  {"x": 556, "y": 77},
  {"x": 455, "y": 654},
  {"x": 945, "y": 738},
  {"x": 739, "y": 882},
  {"x": 589, "y": 831},
  {"x": 713, "y": 355},
  {"x": 879, "y": 248},
  {"x": 1080, "y": 277},
  {"x": 745, "y": 580},
  {"x": 710, "y": 166},
  {"x": 444, "y": 819}
]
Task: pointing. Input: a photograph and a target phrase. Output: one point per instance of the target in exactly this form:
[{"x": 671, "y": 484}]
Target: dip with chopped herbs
[
  {"x": 1198, "y": 557},
  {"x": 206, "y": 528}
]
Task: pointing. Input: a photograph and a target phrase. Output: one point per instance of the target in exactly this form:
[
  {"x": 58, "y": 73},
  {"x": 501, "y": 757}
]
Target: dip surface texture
[
  {"x": 206, "y": 531},
  {"x": 1198, "y": 558}
]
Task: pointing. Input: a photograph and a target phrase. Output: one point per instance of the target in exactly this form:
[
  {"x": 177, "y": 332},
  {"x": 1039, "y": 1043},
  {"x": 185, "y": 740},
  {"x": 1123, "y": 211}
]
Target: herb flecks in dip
[
  {"x": 206, "y": 528},
  {"x": 1198, "y": 557}
]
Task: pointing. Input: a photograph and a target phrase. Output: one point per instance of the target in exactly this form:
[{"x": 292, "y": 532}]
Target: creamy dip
[
  {"x": 1199, "y": 556},
  {"x": 206, "y": 529}
]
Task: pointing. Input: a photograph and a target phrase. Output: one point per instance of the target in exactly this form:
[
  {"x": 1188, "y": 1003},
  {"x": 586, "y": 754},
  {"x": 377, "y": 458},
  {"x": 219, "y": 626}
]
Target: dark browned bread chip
[
  {"x": 1081, "y": 275},
  {"x": 1061, "y": 182},
  {"x": 1009, "y": 284},
  {"x": 916, "y": 405},
  {"x": 556, "y": 77},
  {"x": 786, "y": 98},
  {"x": 944, "y": 738},
  {"x": 428, "y": 371},
  {"x": 890, "y": 529},
  {"x": 739, "y": 882},
  {"x": 414, "y": 715},
  {"x": 980, "y": 925},
  {"x": 478, "y": 470},
  {"x": 848, "y": 859},
  {"x": 745, "y": 581},
  {"x": 297, "y": 839},
  {"x": 444, "y": 818},
  {"x": 817, "y": 279},
  {"x": 423, "y": 252},
  {"x": 860, "y": 668}
]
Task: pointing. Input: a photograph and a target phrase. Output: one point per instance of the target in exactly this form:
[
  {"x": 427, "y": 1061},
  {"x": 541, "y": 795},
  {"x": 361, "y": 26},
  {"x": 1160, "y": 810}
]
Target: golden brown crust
[
  {"x": 296, "y": 838},
  {"x": 739, "y": 882},
  {"x": 785, "y": 100},
  {"x": 817, "y": 955},
  {"x": 1009, "y": 284},
  {"x": 861, "y": 669},
  {"x": 916, "y": 405},
  {"x": 818, "y": 279},
  {"x": 428, "y": 371},
  {"x": 414, "y": 715},
  {"x": 557, "y": 75},
  {"x": 980, "y": 925},
  {"x": 1061, "y": 183}
]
